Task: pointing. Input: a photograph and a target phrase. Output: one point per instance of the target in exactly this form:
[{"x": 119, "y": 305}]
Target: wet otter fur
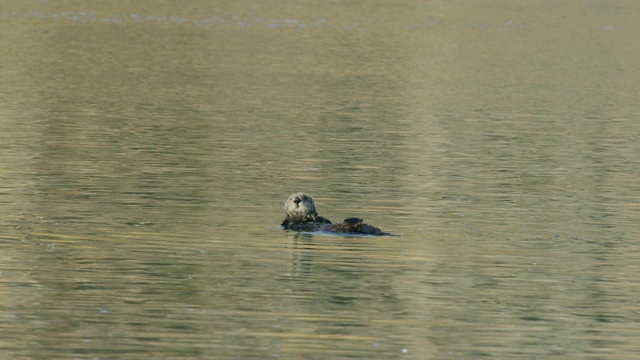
[{"x": 301, "y": 215}]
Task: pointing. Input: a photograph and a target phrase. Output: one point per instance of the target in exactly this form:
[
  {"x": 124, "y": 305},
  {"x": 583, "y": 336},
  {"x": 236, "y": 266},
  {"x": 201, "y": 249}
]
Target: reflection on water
[{"x": 147, "y": 150}]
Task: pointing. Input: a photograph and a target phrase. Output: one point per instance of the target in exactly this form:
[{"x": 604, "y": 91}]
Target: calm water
[{"x": 146, "y": 149}]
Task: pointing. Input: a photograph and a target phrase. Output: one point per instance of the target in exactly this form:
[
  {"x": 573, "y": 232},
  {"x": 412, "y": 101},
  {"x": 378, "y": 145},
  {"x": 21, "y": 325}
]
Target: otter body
[{"x": 301, "y": 215}]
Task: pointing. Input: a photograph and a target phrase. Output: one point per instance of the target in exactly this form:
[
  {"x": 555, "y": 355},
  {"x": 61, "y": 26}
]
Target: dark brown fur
[{"x": 300, "y": 215}]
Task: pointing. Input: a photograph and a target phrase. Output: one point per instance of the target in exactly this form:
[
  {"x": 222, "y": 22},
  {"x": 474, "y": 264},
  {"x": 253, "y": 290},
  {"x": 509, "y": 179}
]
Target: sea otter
[{"x": 301, "y": 215}]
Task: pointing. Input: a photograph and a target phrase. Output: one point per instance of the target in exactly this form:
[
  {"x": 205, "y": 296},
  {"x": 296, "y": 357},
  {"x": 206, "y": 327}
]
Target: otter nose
[{"x": 297, "y": 200}]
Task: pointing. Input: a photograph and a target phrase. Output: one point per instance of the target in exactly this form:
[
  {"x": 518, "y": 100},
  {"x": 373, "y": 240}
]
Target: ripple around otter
[{"x": 354, "y": 235}]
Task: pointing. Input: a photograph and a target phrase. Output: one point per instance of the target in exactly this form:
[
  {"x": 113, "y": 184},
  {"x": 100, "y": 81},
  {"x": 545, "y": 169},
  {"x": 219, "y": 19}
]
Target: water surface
[{"x": 147, "y": 149}]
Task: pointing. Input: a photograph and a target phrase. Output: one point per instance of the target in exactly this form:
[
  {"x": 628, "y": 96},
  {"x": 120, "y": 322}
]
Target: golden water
[{"x": 146, "y": 149}]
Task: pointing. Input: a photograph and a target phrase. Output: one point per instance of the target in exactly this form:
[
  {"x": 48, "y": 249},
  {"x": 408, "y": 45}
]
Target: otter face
[{"x": 300, "y": 204}]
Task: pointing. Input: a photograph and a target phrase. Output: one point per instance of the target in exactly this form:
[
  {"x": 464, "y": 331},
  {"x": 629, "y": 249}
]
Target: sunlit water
[{"x": 146, "y": 150}]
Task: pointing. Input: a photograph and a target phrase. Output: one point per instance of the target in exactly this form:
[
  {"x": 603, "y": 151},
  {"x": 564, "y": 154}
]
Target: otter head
[{"x": 300, "y": 205}]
